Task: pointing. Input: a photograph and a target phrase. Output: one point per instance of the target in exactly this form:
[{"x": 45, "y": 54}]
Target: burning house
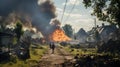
[
  {"x": 29, "y": 12},
  {"x": 6, "y": 41},
  {"x": 59, "y": 36},
  {"x": 36, "y": 13}
]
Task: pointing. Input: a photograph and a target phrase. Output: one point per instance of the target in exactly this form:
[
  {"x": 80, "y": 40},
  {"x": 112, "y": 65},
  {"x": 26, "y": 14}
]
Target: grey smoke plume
[{"x": 29, "y": 10}]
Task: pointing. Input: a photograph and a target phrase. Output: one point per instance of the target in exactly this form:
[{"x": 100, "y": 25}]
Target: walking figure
[{"x": 52, "y": 46}]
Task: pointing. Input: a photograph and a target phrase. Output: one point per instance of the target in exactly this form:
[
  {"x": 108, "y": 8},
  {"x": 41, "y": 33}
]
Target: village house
[
  {"x": 6, "y": 38},
  {"x": 6, "y": 41},
  {"x": 81, "y": 35},
  {"x": 105, "y": 31}
]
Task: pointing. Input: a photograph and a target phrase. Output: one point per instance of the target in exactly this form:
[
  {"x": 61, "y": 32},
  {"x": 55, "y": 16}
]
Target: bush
[
  {"x": 75, "y": 46},
  {"x": 111, "y": 46},
  {"x": 97, "y": 61},
  {"x": 13, "y": 59}
]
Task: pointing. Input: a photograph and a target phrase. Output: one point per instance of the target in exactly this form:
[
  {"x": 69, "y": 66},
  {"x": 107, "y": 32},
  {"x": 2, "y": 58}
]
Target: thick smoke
[{"x": 39, "y": 15}]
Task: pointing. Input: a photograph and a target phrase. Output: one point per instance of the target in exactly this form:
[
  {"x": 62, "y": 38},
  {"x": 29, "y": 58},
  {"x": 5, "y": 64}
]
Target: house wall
[
  {"x": 5, "y": 41},
  {"x": 82, "y": 39}
]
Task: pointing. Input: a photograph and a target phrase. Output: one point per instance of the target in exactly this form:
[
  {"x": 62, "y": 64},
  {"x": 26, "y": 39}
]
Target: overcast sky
[{"x": 80, "y": 16}]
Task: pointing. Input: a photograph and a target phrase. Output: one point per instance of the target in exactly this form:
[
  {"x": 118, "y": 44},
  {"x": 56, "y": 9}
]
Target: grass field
[
  {"x": 89, "y": 57},
  {"x": 35, "y": 56},
  {"x": 81, "y": 51}
]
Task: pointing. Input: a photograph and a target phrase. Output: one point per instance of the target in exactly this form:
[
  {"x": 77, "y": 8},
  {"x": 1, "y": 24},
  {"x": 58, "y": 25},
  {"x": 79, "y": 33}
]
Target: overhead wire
[
  {"x": 64, "y": 10},
  {"x": 71, "y": 11}
]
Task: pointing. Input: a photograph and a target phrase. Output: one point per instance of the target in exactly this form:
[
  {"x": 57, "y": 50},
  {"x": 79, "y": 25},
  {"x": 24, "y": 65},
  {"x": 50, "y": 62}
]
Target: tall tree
[
  {"x": 68, "y": 30},
  {"x": 105, "y": 10},
  {"x": 18, "y": 30}
]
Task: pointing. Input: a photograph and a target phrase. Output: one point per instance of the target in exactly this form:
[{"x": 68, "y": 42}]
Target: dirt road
[{"x": 60, "y": 58}]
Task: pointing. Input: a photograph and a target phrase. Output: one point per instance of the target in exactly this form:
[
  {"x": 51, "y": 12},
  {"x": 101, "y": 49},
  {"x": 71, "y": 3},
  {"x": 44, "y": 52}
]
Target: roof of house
[
  {"x": 81, "y": 32},
  {"x": 109, "y": 28},
  {"x": 5, "y": 34}
]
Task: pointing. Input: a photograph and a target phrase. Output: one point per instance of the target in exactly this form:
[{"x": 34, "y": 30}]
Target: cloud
[
  {"x": 77, "y": 20},
  {"x": 75, "y": 15},
  {"x": 41, "y": 1},
  {"x": 85, "y": 23},
  {"x": 72, "y": 2},
  {"x": 60, "y": 12},
  {"x": 85, "y": 20},
  {"x": 90, "y": 11}
]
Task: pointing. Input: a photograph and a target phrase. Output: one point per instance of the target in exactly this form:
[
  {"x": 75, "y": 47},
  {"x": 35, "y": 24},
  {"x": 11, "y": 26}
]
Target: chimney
[
  {"x": 97, "y": 26},
  {"x": 103, "y": 24}
]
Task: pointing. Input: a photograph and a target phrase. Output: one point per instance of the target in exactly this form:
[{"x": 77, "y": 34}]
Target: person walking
[{"x": 52, "y": 46}]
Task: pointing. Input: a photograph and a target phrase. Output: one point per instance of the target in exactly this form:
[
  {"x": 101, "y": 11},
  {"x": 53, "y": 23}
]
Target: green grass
[
  {"x": 15, "y": 40},
  {"x": 19, "y": 63},
  {"x": 35, "y": 56},
  {"x": 80, "y": 51},
  {"x": 87, "y": 51}
]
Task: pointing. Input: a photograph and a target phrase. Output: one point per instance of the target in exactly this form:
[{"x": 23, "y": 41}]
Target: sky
[{"x": 80, "y": 17}]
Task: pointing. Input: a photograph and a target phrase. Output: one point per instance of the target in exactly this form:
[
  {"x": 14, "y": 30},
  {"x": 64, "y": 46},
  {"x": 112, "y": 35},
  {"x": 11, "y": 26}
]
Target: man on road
[{"x": 52, "y": 46}]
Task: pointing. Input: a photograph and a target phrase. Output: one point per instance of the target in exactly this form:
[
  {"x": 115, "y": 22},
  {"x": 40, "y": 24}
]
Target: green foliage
[
  {"x": 14, "y": 40},
  {"x": 105, "y": 10},
  {"x": 68, "y": 30},
  {"x": 13, "y": 59},
  {"x": 2, "y": 27},
  {"x": 111, "y": 46},
  {"x": 18, "y": 30},
  {"x": 35, "y": 53}
]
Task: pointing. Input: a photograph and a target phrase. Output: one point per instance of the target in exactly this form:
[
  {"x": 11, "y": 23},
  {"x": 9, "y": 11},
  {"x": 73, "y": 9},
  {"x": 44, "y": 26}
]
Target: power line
[
  {"x": 95, "y": 22},
  {"x": 71, "y": 11},
  {"x": 64, "y": 10}
]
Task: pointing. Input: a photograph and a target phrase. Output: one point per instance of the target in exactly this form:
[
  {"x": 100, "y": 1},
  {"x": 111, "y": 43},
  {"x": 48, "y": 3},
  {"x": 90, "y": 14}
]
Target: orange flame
[{"x": 58, "y": 35}]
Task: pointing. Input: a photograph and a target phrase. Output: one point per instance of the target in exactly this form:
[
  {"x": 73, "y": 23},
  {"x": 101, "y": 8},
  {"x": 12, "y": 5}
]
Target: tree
[
  {"x": 68, "y": 30},
  {"x": 105, "y": 10},
  {"x": 18, "y": 30}
]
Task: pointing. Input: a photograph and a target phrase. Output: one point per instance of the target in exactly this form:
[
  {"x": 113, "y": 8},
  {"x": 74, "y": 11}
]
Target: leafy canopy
[
  {"x": 105, "y": 10},
  {"x": 18, "y": 29},
  {"x": 68, "y": 30}
]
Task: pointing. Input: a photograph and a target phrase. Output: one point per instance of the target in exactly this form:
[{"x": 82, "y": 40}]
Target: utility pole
[
  {"x": 95, "y": 22},
  {"x": 74, "y": 37}
]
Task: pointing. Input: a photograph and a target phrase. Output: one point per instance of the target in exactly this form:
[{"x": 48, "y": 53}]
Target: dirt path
[{"x": 60, "y": 58}]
